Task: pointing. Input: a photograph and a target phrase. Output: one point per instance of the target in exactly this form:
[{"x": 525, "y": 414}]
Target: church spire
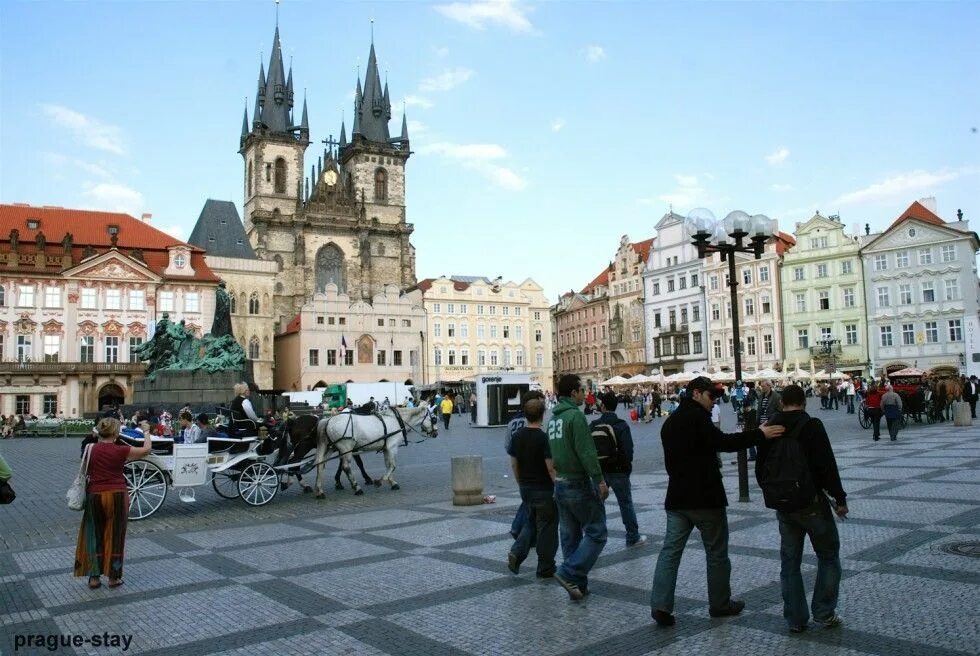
[
  {"x": 276, "y": 100},
  {"x": 343, "y": 135},
  {"x": 373, "y": 109},
  {"x": 404, "y": 127},
  {"x": 245, "y": 123}
]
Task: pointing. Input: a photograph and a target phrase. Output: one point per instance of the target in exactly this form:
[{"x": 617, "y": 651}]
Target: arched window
[
  {"x": 280, "y": 176},
  {"x": 253, "y": 303},
  {"x": 253, "y": 348},
  {"x": 330, "y": 269},
  {"x": 380, "y": 185},
  {"x": 248, "y": 178},
  {"x": 233, "y": 305}
]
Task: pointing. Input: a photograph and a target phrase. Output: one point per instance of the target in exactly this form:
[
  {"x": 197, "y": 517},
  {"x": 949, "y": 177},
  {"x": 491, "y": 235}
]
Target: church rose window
[{"x": 330, "y": 268}]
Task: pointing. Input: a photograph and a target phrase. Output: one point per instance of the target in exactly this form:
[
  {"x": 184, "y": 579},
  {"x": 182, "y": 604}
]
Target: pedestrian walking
[
  {"x": 102, "y": 535},
  {"x": 971, "y": 390},
  {"x": 446, "y": 407},
  {"x": 580, "y": 489},
  {"x": 530, "y": 458},
  {"x": 617, "y": 466},
  {"x": 849, "y": 390},
  {"x": 517, "y": 423},
  {"x": 872, "y": 401},
  {"x": 891, "y": 409},
  {"x": 472, "y": 408},
  {"x": 805, "y": 461},
  {"x": 696, "y": 498},
  {"x": 767, "y": 404}
]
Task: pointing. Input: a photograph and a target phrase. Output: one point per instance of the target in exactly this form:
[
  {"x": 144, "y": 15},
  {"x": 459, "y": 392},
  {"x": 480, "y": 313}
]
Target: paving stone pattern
[{"x": 407, "y": 573}]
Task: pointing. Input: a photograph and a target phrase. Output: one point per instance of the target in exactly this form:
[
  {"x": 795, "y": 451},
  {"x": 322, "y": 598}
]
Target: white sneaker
[
  {"x": 640, "y": 541},
  {"x": 832, "y": 621}
]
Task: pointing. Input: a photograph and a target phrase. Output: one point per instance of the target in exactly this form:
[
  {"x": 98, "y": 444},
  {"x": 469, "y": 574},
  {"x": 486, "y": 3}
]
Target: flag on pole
[{"x": 343, "y": 348}]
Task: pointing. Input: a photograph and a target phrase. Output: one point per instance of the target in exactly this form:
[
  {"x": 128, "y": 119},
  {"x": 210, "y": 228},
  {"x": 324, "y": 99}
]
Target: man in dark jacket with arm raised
[{"x": 696, "y": 498}]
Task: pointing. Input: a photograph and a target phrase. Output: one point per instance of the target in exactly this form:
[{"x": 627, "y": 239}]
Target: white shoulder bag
[{"x": 76, "y": 493}]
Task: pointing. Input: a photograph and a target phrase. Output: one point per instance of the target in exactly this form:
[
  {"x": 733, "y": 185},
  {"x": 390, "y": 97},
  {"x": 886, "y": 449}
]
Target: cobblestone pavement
[{"x": 407, "y": 573}]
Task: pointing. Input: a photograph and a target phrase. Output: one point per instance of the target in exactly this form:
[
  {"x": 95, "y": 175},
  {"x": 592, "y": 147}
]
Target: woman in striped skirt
[{"x": 102, "y": 536}]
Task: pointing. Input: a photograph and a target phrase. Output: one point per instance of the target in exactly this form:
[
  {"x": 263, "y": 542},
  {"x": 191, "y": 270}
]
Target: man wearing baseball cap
[{"x": 696, "y": 498}]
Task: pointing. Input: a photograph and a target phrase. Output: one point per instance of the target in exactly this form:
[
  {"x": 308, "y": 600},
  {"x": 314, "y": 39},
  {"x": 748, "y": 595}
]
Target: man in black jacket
[
  {"x": 616, "y": 469},
  {"x": 814, "y": 521},
  {"x": 696, "y": 498}
]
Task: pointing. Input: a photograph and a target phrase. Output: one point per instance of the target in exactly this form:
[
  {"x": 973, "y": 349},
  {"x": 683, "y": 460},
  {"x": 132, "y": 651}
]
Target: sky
[{"x": 541, "y": 131}]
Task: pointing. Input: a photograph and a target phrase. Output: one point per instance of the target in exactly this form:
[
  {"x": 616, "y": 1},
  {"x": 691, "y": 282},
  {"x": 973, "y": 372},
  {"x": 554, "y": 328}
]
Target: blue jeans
[
  {"x": 582, "y": 525},
  {"x": 816, "y": 522},
  {"x": 850, "y": 404},
  {"x": 540, "y": 530},
  {"x": 520, "y": 520},
  {"x": 713, "y": 526},
  {"x": 620, "y": 485}
]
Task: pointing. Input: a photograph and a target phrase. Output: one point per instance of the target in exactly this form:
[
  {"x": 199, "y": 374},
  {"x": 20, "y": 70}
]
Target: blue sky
[{"x": 542, "y": 131}]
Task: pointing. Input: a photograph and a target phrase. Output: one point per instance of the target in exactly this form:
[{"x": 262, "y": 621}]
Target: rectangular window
[
  {"x": 397, "y": 358},
  {"x": 715, "y": 312},
  {"x": 87, "y": 301},
  {"x": 750, "y": 344},
  {"x": 948, "y": 252},
  {"x": 332, "y": 357},
  {"x": 731, "y": 347},
  {"x": 905, "y": 294},
  {"x": 746, "y": 276},
  {"x": 716, "y": 348},
  {"x": 682, "y": 283},
  {"x": 406, "y": 323},
  {"x": 749, "y": 307},
  {"x": 437, "y": 307},
  {"x": 537, "y": 315},
  {"x": 881, "y": 262},
  {"x": 481, "y": 358},
  {"x": 493, "y": 358},
  {"x": 52, "y": 345},
  {"x": 437, "y": 357},
  {"x": 464, "y": 308},
  {"x": 314, "y": 357},
  {"x": 480, "y": 309},
  {"x": 694, "y": 280},
  {"x": 928, "y": 292},
  {"x": 824, "y": 300},
  {"x": 952, "y": 289},
  {"x": 506, "y": 331},
  {"x": 673, "y": 319},
  {"x": 764, "y": 273},
  {"x": 766, "y": 304},
  {"x": 518, "y": 332},
  {"x": 450, "y": 329},
  {"x": 801, "y": 302},
  {"x": 885, "y": 335},
  {"x": 670, "y": 284},
  {"x": 537, "y": 335},
  {"x": 481, "y": 330},
  {"x": 850, "y": 334},
  {"x": 450, "y": 308},
  {"x": 192, "y": 302},
  {"x": 86, "y": 349},
  {"x": 464, "y": 330},
  {"x": 713, "y": 284},
  {"x": 137, "y": 299},
  {"x": 848, "y": 296},
  {"x": 908, "y": 334},
  {"x": 696, "y": 312},
  {"x": 134, "y": 346},
  {"x": 798, "y": 273},
  {"x": 25, "y": 348},
  {"x": 683, "y": 316},
  {"x": 883, "y": 299},
  {"x": 846, "y": 267},
  {"x": 956, "y": 330},
  {"x": 22, "y": 404},
  {"x": 166, "y": 302},
  {"x": 821, "y": 270},
  {"x": 437, "y": 329},
  {"x": 342, "y": 321},
  {"x": 656, "y": 289},
  {"x": 825, "y": 333},
  {"x": 698, "y": 345},
  {"x": 932, "y": 332},
  {"x": 26, "y": 296},
  {"x": 349, "y": 358},
  {"x": 52, "y": 297},
  {"x": 667, "y": 346},
  {"x": 382, "y": 356},
  {"x": 803, "y": 338},
  {"x": 50, "y": 405},
  {"x": 493, "y": 331},
  {"x": 925, "y": 256},
  {"x": 767, "y": 346},
  {"x": 902, "y": 259},
  {"x": 656, "y": 320},
  {"x": 381, "y": 323},
  {"x": 493, "y": 310},
  {"x": 112, "y": 349},
  {"x": 113, "y": 299}
]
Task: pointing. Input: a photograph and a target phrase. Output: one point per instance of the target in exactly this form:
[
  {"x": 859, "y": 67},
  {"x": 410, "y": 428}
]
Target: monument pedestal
[{"x": 179, "y": 387}]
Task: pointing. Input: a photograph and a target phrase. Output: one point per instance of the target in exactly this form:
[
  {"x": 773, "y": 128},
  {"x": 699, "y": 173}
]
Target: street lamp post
[{"x": 727, "y": 237}]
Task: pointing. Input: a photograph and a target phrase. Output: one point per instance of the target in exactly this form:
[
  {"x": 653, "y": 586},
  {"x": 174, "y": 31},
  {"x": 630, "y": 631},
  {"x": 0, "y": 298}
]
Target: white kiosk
[{"x": 498, "y": 396}]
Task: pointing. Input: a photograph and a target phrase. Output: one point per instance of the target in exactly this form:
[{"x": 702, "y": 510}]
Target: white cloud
[
  {"x": 417, "y": 101},
  {"x": 478, "y": 15},
  {"x": 480, "y": 158},
  {"x": 417, "y": 127},
  {"x": 782, "y": 187},
  {"x": 595, "y": 53},
  {"x": 116, "y": 198},
  {"x": 900, "y": 187},
  {"x": 778, "y": 156},
  {"x": 62, "y": 162},
  {"x": 446, "y": 80},
  {"x": 688, "y": 193},
  {"x": 557, "y": 124},
  {"x": 86, "y": 130},
  {"x": 174, "y": 231}
]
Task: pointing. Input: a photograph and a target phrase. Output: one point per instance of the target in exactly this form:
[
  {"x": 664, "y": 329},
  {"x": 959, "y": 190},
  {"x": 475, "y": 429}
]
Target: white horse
[{"x": 348, "y": 432}]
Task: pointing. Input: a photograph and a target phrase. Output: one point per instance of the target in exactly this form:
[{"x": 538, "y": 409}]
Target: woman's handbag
[
  {"x": 76, "y": 493},
  {"x": 6, "y": 493}
]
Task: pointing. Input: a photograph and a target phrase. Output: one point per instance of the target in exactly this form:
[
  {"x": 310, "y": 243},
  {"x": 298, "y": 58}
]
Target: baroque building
[
  {"x": 824, "y": 312},
  {"x": 79, "y": 293},
  {"x": 343, "y": 224},
  {"x": 759, "y": 312},
  {"x": 920, "y": 279},
  {"x": 476, "y": 325},
  {"x": 675, "y": 301},
  {"x": 250, "y": 283},
  {"x": 581, "y": 329},
  {"x": 627, "y": 345}
]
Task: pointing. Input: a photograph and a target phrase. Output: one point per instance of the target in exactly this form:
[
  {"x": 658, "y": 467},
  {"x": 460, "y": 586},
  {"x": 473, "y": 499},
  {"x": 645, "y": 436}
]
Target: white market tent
[
  {"x": 639, "y": 379},
  {"x": 767, "y": 374},
  {"x": 908, "y": 371},
  {"x": 615, "y": 380},
  {"x": 800, "y": 374},
  {"x": 723, "y": 377}
]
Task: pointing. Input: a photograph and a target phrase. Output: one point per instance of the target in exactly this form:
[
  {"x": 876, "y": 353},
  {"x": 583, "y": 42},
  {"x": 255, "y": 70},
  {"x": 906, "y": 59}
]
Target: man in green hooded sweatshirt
[{"x": 580, "y": 489}]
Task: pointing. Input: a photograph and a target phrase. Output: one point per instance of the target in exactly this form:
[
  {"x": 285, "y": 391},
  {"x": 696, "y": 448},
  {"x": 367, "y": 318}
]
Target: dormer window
[
  {"x": 33, "y": 224},
  {"x": 113, "y": 229},
  {"x": 180, "y": 260}
]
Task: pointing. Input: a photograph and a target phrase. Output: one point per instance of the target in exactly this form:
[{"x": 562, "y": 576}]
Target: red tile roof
[
  {"x": 918, "y": 211},
  {"x": 599, "y": 281},
  {"x": 643, "y": 248},
  {"x": 90, "y": 228},
  {"x": 784, "y": 242},
  {"x": 293, "y": 326}
]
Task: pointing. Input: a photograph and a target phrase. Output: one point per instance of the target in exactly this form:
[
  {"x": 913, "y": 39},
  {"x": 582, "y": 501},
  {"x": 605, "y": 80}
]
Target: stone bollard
[
  {"x": 961, "y": 414},
  {"x": 467, "y": 474}
]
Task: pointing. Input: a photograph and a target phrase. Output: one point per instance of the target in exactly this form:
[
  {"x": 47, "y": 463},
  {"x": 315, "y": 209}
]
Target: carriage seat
[
  {"x": 222, "y": 443},
  {"x": 161, "y": 446}
]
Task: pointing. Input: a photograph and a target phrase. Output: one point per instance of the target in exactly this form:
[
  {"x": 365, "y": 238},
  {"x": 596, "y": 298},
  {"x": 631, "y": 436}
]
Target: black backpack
[
  {"x": 785, "y": 477},
  {"x": 606, "y": 445}
]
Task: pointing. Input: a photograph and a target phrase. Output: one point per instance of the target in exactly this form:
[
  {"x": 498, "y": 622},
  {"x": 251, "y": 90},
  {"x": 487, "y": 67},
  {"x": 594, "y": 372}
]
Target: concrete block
[
  {"x": 467, "y": 478},
  {"x": 961, "y": 414}
]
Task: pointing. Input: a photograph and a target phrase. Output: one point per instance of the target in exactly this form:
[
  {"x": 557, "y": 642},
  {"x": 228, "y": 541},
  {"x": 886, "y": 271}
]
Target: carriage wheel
[
  {"x": 147, "y": 488},
  {"x": 226, "y": 484},
  {"x": 931, "y": 415},
  {"x": 864, "y": 418},
  {"x": 258, "y": 484}
]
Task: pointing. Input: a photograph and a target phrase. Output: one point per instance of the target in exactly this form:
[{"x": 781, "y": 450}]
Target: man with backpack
[
  {"x": 799, "y": 480},
  {"x": 614, "y": 446}
]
